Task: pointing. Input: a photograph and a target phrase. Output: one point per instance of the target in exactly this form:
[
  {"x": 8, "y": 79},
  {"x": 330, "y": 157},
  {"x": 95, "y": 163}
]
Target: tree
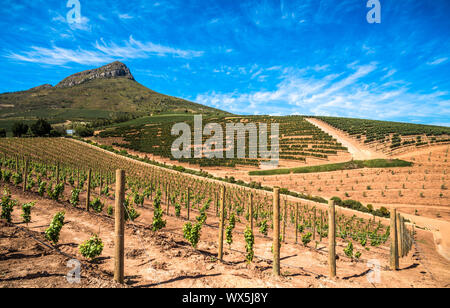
[
  {"x": 2, "y": 133},
  {"x": 41, "y": 128},
  {"x": 19, "y": 129},
  {"x": 84, "y": 131}
]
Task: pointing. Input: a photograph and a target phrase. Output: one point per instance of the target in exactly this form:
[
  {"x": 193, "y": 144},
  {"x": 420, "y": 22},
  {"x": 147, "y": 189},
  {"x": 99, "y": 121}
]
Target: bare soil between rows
[{"x": 165, "y": 259}]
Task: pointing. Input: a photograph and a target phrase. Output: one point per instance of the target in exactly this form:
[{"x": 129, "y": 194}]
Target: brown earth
[
  {"x": 165, "y": 259},
  {"x": 421, "y": 191}
]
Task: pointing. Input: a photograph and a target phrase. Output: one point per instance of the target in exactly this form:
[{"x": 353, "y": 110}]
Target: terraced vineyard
[
  {"x": 390, "y": 136},
  {"x": 182, "y": 195},
  {"x": 299, "y": 140}
]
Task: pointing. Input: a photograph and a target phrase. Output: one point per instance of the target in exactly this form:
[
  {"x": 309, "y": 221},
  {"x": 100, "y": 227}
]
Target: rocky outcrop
[{"x": 113, "y": 70}]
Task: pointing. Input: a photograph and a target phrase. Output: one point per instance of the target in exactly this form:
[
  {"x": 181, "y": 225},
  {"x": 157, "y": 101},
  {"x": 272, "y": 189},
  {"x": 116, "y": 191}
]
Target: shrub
[
  {"x": 138, "y": 199},
  {"x": 130, "y": 212},
  {"x": 192, "y": 233},
  {"x": 84, "y": 131},
  {"x": 337, "y": 201},
  {"x": 97, "y": 205},
  {"x": 19, "y": 129},
  {"x": 249, "y": 242},
  {"x": 42, "y": 188},
  {"x": 41, "y": 128},
  {"x": 55, "y": 193},
  {"x": 306, "y": 238},
  {"x": 229, "y": 229},
  {"x": 263, "y": 227},
  {"x": 105, "y": 191},
  {"x": 7, "y": 205},
  {"x": 26, "y": 211},
  {"x": 75, "y": 197},
  {"x": 158, "y": 222},
  {"x": 177, "y": 209},
  {"x": 17, "y": 178},
  {"x": 52, "y": 233},
  {"x": 349, "y": 250},
  {"x": 92, "y": 248},
  {"x": 6, "y": 175}
]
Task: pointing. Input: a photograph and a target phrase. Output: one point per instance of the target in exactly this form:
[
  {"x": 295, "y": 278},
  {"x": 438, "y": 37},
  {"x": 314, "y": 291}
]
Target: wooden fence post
[
  {"x": 57, "y": 173},
  {"x": 399, "y": 235},
  {"x": 276, "y": 231},
  {"x": 284, "y": 221},
  {"x": 314, "y": 224},
  {"x": 331, "y": 238},
  {"x": 221, "y": 224},
  {"x": 251, "y": 211},
  {"x": 101, "y": 184},
  {"x": 321, "y": 226},
  {"x": 217, "y": 204},
  {"x": 119, "y": 261},
  {"x": 25, "y": 174},
  {"x": 403, "y": 233},
  {"x": 188, "y": 202},
  {"x": 394, "y": 241},
  {"x": 88, "y": 192},
  {"x": 168, "y": 200},
  {"x": 296, "y": 223}
]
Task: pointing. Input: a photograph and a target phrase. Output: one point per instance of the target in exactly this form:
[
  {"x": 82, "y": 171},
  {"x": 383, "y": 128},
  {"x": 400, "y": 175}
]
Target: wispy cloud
[
  {"x": 347, "y": 94},
  {"x": 125, "y": 16},
  {"x": 100, "y": 53},
  {"x": 437, "y": 61},
  {"x": 82, "y": 24}
]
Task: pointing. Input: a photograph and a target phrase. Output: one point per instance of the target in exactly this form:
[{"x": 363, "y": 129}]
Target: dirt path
[{"x": 358, "y": 151}]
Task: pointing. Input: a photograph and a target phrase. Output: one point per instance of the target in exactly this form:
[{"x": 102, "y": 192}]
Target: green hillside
[{"x": 99, "y": 93}]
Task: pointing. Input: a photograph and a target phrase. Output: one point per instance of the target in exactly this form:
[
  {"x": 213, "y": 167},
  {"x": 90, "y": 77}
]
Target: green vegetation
[
  {"x": 249, "y": 243},
  {"x": 158, "y": 222},
  {"x": 52, "y": 233},
  {"x": 95, "y": 99},
  {"x": 7, "y": 205},
  {"x": 92, "y": 248},
  {"x": 393, "y": 134},
  {"x": 26, "y": 211},
  {"x": 354, "y": 164},
  {"x": 299, "y": 139}
]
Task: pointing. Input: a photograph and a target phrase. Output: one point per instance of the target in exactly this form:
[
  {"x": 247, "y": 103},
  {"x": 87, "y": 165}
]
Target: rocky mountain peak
[{"x": 113, "y": 70}]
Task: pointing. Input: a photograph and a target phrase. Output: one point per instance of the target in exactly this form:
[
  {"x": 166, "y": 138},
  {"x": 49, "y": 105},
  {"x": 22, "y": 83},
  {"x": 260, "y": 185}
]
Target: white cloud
[
  {"x": 125, "y": 16},
  {"x": 437, "y": 61},
  {"x": 82, "y": 24},
  {"x": 101, "y": 53},
  {"x": 343, "y": 94}
]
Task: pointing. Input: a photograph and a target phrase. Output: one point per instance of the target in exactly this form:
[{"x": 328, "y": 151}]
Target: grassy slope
[
  {"x": 355, "y": 164},
  {"x": 99, "y": 98}
]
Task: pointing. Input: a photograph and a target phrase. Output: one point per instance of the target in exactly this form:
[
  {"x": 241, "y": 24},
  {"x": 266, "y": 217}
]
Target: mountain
[
  {"x": 112, "y": 70},
  {"x": 98, "y": 93}
]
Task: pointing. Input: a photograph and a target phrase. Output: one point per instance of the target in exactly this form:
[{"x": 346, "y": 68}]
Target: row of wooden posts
[
  {"x": 401, "y": 237},
  {"x": 89, "y": 178}
]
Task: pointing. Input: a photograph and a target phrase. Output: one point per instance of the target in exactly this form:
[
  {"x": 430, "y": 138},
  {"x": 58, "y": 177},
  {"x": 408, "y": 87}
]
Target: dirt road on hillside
[{"x": 358, "y": 151}]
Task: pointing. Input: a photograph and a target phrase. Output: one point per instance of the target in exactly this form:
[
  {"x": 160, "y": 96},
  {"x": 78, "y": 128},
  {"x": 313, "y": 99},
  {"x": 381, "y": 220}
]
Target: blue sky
[{"x": 314, "y": 57}]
